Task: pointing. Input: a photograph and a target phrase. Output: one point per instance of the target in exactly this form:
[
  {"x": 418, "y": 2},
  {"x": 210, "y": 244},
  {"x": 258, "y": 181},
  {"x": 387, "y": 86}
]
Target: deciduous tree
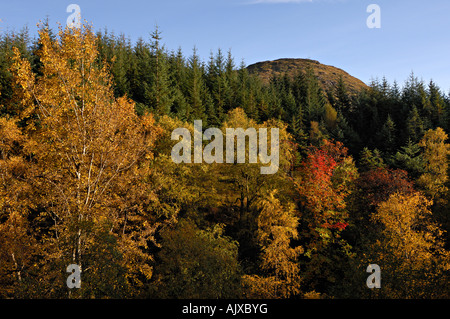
[{"x": 90, "y": 155}]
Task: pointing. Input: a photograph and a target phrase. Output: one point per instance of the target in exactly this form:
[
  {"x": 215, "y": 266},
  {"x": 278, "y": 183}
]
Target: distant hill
[{"x": 327, "y": 75}]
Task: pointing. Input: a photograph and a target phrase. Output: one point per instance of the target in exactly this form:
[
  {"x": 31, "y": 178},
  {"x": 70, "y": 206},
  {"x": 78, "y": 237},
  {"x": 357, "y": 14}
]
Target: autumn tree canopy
[
  {"x": 87, "y": 178},
  {"x": 85, "y": 157}
]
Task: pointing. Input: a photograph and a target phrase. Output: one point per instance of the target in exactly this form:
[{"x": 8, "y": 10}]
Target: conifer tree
[
  {"x": 437, "y": 105},
  {"x": 161, "y": 89},
  {"x": 387, "y": 136},
  {"x": 218, "y": 86},
  {"x": 414, "y": 125},
  {"x": 196, "y": 90},
  {"x": 231, "y": 83},
  {"x": 342, "y": 100},
  {"x": 410, "y": 158},
  {"x": 245, "y": 96},
  {"x": 141, "y": 76},
  {"x": 370, "y": 160},
  {"x": 178, "y": 70},
  {"x": 314, "y": 99}
]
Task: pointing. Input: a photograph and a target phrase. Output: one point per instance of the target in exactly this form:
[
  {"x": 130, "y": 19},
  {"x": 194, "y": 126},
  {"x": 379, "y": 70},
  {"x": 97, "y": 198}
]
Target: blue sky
[{"x": 414, "y": 35}]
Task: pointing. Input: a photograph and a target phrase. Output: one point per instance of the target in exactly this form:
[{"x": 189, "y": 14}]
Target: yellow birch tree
[{"x": 91, "y": 158}]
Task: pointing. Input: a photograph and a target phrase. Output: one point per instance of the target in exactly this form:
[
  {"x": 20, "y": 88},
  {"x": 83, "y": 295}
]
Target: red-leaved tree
[{"x": 325, "y": 180}]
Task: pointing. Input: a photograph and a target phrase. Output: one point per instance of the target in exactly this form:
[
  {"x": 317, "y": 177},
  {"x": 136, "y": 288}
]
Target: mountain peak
[{"x": 328, "y": 75}]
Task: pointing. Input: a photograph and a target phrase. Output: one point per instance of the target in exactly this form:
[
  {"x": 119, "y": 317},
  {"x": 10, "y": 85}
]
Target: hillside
[{"x": 327, "y": 75}]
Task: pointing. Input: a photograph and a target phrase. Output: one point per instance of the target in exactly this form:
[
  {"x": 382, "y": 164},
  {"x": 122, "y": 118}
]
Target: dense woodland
[{"x": 87, "y": 178}]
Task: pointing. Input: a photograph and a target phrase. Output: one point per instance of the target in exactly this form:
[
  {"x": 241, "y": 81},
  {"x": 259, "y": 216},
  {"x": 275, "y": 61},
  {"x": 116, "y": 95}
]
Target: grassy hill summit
[{"x": 328, "y": 75}]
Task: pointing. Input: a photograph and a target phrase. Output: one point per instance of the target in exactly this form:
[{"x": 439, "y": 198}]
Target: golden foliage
[
  {"x": 88, "y": 158},
  {"x": 411, "y": 251},
  {"x": 277, "y": 226},
  {"x": 435, "y": 156}
]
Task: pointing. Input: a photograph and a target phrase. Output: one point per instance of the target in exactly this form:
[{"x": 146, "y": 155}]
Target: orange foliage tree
[
  {"x": 325, "y": 181},
  {"x": 85, "y": 158},
  {"x": 410, "y": 251},
  {"x": 372, "y": 188}
]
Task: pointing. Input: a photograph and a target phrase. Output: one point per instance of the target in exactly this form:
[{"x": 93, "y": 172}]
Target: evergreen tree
[
  {"x": 342, "y": 99},
  {"x": 160, "y": 89},
  {"x": 140, "y": 75},
  {"x": 231, "y": 83},
  {"x": 387, "y": 136},
  {"x": 437, "y": 106},
  {"x": 178, "y": 74},
  {"x": 121, "y": 55},
  {"x": 314, "y": 99},
  {"x": 245, "y": 96},
  {"x": 414, "y": 125},
  {"x": 217, "y": 85},
  {"x": 409, "y": 158},
  {"x": 370, "y": 160},
  {"x": 196, "y": 90}
]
